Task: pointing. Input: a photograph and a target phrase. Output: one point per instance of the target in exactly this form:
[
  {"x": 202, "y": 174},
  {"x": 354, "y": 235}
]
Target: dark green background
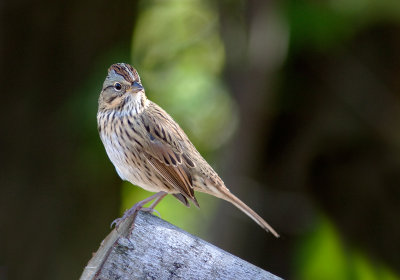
[{"x": 295, "y": 103}]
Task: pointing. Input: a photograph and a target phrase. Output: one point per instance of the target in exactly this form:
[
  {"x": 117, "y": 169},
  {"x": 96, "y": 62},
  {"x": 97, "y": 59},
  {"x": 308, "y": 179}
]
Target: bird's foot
[
  {"x": 139, "y": 206},
  {"x": 132, "y": 211}
]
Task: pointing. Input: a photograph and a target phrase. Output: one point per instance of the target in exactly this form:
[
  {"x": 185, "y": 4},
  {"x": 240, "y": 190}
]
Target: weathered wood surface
[{"x": 156, "y": 249}]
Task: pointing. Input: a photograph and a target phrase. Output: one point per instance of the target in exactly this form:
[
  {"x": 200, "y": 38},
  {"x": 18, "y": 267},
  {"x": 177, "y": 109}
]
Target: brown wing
[{"x": 165, "y": 151}]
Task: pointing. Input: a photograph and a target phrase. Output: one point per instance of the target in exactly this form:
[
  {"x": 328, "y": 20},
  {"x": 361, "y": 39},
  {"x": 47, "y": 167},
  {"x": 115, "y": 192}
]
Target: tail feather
[{"x": 228, "y": 196}]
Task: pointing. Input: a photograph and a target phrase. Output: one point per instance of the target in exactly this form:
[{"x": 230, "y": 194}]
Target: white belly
[{"x": 124, "y": 165}]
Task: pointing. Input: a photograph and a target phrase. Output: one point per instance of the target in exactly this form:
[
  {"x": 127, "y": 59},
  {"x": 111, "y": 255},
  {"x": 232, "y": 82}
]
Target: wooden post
[{"x": 155, "y": 249}]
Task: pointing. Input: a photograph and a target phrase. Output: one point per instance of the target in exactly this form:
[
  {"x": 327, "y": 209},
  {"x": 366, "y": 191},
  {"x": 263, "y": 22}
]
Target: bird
[{"x": 150, "y": 150}]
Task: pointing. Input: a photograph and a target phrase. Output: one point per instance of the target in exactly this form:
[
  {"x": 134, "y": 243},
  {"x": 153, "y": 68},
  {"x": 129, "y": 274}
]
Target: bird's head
[{"x": 122, "y": 89}]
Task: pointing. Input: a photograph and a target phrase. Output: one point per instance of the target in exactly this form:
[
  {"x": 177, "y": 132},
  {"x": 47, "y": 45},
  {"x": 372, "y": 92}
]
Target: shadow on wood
[{"x": 158, "y": 250}]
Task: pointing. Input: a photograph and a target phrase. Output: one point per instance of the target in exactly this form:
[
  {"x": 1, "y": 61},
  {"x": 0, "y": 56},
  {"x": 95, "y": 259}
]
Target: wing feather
[{"x": 165, "y": 153}]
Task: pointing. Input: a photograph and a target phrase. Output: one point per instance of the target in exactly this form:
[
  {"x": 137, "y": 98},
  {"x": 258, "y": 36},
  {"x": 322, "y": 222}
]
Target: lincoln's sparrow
[{"x": 149, "y": 149}]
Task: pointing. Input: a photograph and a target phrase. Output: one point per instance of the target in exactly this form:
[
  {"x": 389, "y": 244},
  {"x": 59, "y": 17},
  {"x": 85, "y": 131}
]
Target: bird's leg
[
  {"x": 154, "y": 204},
  {"x": 139, "y": 206}
]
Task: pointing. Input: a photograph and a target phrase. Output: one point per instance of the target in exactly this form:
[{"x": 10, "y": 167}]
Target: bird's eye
[{"x": 117, "y": 86}]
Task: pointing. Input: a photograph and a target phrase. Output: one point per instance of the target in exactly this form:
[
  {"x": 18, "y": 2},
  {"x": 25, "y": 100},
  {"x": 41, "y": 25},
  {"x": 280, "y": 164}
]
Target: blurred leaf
[
  {"x": 368, "y": 10},
  {"x": 324, "y": 25},
  {"x": 363, "y": 269},
  {"x": 322, "y": 255},
  {"x": 179, "y": 55},
  {"x": 316, "y": 24}
]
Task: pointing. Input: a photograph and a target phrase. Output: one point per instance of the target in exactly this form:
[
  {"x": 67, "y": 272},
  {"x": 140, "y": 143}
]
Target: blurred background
[{"x": 296, "y": 104}]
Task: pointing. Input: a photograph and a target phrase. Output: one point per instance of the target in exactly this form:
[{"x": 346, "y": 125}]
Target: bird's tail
[{"x": 228, "y": 196}]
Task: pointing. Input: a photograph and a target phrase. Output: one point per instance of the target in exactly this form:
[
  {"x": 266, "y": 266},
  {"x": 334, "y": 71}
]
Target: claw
[{"x": 116, "y": 222}]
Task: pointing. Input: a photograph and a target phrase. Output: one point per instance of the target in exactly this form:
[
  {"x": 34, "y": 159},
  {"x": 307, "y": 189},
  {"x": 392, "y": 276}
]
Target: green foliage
[
  {"x": 322, "y": 255},
  {"x": 323, "y": 25},
  {"x": 317, "y": 25},
  {"x": 179, "y": 54}
]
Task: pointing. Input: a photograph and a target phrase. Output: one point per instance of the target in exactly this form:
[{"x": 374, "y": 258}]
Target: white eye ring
[{"x": 117, "y": 86}]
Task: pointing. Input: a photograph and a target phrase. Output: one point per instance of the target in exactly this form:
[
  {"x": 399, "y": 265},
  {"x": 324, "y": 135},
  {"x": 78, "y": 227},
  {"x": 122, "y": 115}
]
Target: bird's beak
[{"x": 136, "y": 87}]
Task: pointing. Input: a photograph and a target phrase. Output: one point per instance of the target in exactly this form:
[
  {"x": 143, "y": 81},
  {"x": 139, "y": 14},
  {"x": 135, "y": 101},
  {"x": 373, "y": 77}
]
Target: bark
[{"x": 155, "y": 249}]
